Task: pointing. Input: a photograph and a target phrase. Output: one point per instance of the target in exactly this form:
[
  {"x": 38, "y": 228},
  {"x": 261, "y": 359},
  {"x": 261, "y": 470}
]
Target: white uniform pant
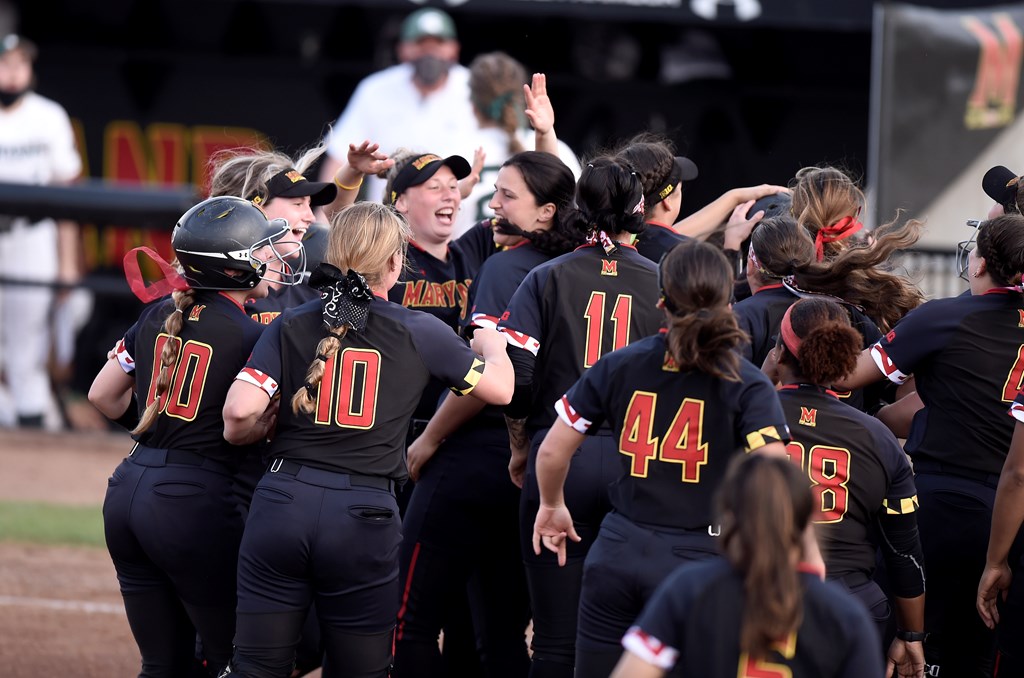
[{"x": 27, "y": 252}]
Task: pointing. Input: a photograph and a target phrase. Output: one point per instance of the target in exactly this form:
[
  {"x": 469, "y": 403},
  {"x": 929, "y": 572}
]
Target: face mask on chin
[
  {"x": 429, "y": 69},
  {"x": 8, "y": 99}
]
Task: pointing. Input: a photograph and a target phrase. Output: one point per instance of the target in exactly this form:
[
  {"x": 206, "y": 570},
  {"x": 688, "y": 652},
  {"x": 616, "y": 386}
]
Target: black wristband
[{"x": 911, "y": 636}]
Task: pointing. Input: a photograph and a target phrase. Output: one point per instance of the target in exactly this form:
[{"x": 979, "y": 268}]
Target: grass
[{"x": 37, "y": 523}]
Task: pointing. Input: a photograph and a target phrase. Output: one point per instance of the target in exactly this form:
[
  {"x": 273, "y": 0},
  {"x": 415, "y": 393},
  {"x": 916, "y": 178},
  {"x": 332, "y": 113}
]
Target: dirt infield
[{"x": 60, "y": 610}]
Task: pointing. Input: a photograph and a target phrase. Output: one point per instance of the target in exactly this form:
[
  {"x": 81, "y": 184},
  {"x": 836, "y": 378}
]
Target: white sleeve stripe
[
  {"x": 124, "y": 358},
  {"x": 520, "y": 340},
  {"x": 1017, "y": 412},
  {"x": 886, "y": 365},
  {"x": 650, "y": 649},
  {"x": 571, "y": 418},
  {"x": 259, "y": 380},
  {"x": 486, "y": 321}
]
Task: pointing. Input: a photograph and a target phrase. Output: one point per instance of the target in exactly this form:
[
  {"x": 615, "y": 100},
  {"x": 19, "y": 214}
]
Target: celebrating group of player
[{"x": 597, "y": 354}]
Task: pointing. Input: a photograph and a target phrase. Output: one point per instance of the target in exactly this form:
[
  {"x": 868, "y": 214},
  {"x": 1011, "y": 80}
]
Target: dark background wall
[{"x": 770, "y": 100}]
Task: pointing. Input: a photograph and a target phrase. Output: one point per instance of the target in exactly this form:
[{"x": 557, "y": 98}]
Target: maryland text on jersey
[{"x": 426, "y": 294}]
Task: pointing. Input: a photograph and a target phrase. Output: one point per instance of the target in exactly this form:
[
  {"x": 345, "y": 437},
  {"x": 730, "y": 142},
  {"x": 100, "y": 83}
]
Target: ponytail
[
  {"x": 696, "y": 283},
  {"x": 765, "y": 506},
  {"x": 304, "y": 399}
]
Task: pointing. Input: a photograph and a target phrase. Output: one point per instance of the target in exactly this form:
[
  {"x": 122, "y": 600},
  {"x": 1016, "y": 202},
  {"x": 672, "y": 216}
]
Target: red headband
[
  {"x": 789, "y": 338},
  {"x": 840, "y": 230},
  {"x": 171, "y": 281}
]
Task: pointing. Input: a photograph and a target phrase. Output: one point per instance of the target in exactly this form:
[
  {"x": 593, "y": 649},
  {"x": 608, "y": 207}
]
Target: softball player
[
  {"x": 565, "y": 315},
  {"x": 679, "y": 405},
  {"x": 462, "y": 522},
  {"x": 171, "y": 524},
  {"x": 324, "y": 523},
  {"x": 960, "y": 350},
  {"x": 758, "y": 611},
  {"x": 865, "y": 499}
]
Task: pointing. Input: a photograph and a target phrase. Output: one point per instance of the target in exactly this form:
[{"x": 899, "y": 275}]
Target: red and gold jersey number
[
  {"x": 829, "y": 470},
  {"x": 682, "y": 444},
  {"x": 181, "y": 400}
]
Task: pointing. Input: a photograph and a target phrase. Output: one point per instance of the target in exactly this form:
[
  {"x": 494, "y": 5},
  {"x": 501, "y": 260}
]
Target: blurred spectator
[
  {"x": 37, "y": 146},
  {"x": 421, "y": 103}
]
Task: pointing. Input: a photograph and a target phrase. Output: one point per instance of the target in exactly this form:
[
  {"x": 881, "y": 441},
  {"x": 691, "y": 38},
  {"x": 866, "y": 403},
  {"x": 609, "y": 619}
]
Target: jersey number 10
[{"x": 349, "y": 393}]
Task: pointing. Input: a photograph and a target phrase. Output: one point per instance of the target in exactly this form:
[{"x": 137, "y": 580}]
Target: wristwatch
[{"x": 911, "y": 636}]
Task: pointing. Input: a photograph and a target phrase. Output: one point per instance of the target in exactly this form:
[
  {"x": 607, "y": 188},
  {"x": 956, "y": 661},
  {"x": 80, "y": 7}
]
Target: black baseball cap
[
  {"x": 683, "y": 169},
  {"x": 418, "y": 170},
  {"x": 1000, "y": 184},
  {"x": 289, "y": 183},
  {"x": 773, "y": 205}
]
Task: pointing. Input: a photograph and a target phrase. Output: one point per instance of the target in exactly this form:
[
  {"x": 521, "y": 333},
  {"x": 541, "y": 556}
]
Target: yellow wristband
[{"x": 347, "y": 188}]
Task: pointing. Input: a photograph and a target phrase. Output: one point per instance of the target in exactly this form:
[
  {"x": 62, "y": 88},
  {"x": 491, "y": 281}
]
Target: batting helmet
[{"x": 215, "y": 240}]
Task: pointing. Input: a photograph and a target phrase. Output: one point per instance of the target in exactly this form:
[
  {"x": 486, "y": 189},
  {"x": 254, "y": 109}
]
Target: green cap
[{"x": 427, "y": 23}]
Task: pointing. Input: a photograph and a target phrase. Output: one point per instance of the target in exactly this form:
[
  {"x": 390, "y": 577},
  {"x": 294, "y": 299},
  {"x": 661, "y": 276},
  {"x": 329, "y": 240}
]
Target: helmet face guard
[
  {"x": 964, "y": 249},
  {"x": 217, "y": 240}
]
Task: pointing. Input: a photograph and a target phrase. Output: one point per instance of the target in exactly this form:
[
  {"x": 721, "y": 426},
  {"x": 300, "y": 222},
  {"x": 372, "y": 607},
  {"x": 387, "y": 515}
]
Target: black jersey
[
  {"x": 856, "y": 468},
  {"x": 760, "y": 316},
  {"x": 498, "y": 280},
  {"x": 693, "y": 623},
  {"x": 215, "y": 339},
  {"x": 677, "y": 431},
  {"x": 370, "y": 386},
  {"x": 569, "y": 312},
  {"x": 264, "y": 310},
  {"x": 441, "y": 288},
  {"x": 967, "y": 358},
  {"x": 656, "y": 240}
]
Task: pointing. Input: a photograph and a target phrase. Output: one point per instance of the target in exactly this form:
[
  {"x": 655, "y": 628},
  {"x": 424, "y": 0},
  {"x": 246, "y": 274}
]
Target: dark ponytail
[
  {"x": 765, "y": 506},
  {"x": 696, "y": 283},
  {"x": 609, "y": 198}
]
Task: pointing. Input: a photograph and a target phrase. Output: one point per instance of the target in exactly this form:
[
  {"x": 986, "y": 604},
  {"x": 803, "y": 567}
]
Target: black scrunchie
[{"x": 345, "y": 299}]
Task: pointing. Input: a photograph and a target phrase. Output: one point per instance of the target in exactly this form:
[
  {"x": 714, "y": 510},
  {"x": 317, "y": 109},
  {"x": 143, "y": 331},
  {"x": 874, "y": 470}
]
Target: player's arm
[
  {"x": 111, "y": 391},
  {"x": 866, "y": 372},
  {"x": 554, "y": 523},
  {"x": 249, "y": 413},
  {"x": 707, "y": 219},
  {"x": 632, "y": 666},
  {"x": 900, "y": 415},
  {"x": 449, "y": 417},
  {"x": 1007, "y": 516},
  {"x": 498, "y": 382}
]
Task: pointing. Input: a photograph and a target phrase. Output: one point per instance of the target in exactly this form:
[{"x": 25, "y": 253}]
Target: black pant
[{"x": 459, "y": 534}]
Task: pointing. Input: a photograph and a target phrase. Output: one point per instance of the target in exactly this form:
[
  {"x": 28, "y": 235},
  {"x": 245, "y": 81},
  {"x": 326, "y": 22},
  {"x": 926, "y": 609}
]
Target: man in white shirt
[
  {"x": 37, "y": 147},
  {"x": 421, "y": 104}
]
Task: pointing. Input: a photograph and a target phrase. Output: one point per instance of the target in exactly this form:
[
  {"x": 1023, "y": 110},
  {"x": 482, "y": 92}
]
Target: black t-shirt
[
  {"x": 498, "y": 280},
  {"x": 264, "y": 310},
  {"x": 216, "y": 337},
  {"x": 441, "y": 288},
  {"x": 693, "y": 621},
  {"x": 967, "y": 358},
  {"x": 656, "y": 240},
  {"x": 760, "y": 316},
  {"x": 370, "y": 386},
  {"x": 569, "y": 312},
  {"x": 856, "y": 468},
  {"x": 677, "y": 431}
]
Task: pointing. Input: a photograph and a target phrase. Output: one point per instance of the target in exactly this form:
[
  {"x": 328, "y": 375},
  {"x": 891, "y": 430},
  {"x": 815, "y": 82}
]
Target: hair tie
[
  {"x": 599, "y": 236},
  {"x": 789, "y": 338},
  {"x": 321, "y": 357},
  {"x": 639, "y": 207},
  {"x": 497, "y": 106},
  {"x": 311, "y": 390},
  {"x": 840, "y": 230},
  {"x": 178, "y": 310},
  {"x": 752, "y": 260},
  {"x": 345, "y": 299}
]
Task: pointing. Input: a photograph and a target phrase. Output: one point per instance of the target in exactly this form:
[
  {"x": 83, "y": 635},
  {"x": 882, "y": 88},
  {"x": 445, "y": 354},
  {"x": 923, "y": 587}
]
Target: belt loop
[{"x": 275, "y": 465}]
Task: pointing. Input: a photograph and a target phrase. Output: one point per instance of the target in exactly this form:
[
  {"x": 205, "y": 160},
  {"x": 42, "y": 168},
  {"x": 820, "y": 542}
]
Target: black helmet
[{"x": 219, "y": 235}]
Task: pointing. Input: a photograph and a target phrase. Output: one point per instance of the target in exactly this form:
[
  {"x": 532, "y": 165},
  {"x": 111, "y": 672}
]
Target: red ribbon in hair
[
  {"x": 840, "y": 230},
  {"x": 789, "y": 338},
  {"x": 170, "y": 281}
]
